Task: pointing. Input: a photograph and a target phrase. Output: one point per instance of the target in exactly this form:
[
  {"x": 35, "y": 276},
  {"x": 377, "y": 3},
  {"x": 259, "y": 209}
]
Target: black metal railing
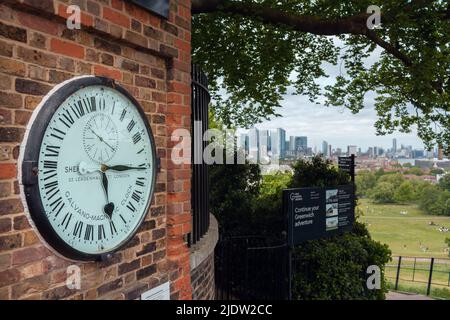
[
  {"x": 200, "y": 189},
  {"x": 418, "y": 274},
  {"x": 249, "y": 268}
]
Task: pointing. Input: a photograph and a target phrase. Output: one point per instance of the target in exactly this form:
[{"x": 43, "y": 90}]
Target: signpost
[
  {"x": 160, "y": 7},
  {"x": 315, "y": 213},
  {"x": 347, "y": 164}
]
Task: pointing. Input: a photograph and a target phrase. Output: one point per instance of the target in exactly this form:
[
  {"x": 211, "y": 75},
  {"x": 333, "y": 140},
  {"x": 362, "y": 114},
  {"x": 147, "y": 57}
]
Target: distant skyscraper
[
  {"x": 301, "y": 144},
  {"x": 263, "y": 145},
  {"x": 278, "y": 143},
  {"x": 325, "y": 149},
  {"x": 243, "y": 142},
  {"x": 253, "y": 145},
  {"x": 394, "y": 145},
  {"x": 292, "y": 144},
  {"x": 351, "y": 150}
]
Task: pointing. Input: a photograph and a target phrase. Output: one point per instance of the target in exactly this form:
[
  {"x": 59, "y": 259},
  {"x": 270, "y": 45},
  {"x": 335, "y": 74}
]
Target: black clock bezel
[{"x": 29, "y": 166}]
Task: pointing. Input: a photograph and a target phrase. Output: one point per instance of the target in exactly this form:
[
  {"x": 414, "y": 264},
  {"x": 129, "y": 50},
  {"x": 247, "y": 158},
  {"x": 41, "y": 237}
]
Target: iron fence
[
  {"x": 249, "y": 267},
  {"x": 200, "y": 98},
  {"x": 419, "y": 274}
]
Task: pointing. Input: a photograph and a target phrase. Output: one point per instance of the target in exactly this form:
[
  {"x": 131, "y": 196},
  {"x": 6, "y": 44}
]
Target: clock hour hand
[
  {"x": 105, "y": 167},
  {"x": 109, "y": 207}
]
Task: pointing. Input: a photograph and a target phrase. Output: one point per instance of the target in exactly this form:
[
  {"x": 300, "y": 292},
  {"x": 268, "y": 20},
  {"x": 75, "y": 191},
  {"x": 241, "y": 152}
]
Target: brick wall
[
  {"x": 202, "y": 277},
  {"x": 150, "y": 57}
]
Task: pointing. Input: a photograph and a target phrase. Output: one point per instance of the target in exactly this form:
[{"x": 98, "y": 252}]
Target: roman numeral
[
  {"x": 93, "y": 104},
  {"x": 135, "y": 196},
  {"x": 101, "y": 232},
  {"x": 50, "y": 164},
  {"x": 140, "y": 151},
  {"x": 112, "y": 227},
  {"x": 58, "y": 136},
  {"x": 68, "y": 119},
  {"x": 102, "y": 104},
  {"x": 89, "y": 233},
  {"x": 78, "y": 228},
  {"x": 66, "y": 220},
  {"x": 124, "y": 221},
  {"x": 122, "y": 115},
  {"x": 113, "y": 107},
  {"x": 52, "y": 151},
  {"x": 80, "y": 109},
  {"x": 136, "y": 137},
  {"x": 140, "y": 181},
  {"x": 131, "y": 125},
  {"x": 131, "y": 207},
  {"x": 59, "y": 205}
]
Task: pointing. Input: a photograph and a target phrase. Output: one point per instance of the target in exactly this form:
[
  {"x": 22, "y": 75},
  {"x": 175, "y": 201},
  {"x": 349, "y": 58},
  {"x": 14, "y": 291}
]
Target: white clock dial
[{"x": 96, "y": 166}]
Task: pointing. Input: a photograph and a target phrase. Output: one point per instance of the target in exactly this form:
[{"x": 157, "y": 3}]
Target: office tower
[
  {"x": 301, "y": 144},
  {"x": 292, "y": 144},
  {"x": 351, "y": 150},
  {"x": 253, "y": 145},
  {"x": 330, "y": 151},
  {"x": 278, "y": 143},
  {"x": 243, "y": 142},
  {"x": 263, "y": 145},
  {"x": 394, "y": 145},
  {"x": 325, "y": 148},
  {"x": 375, "y": 152}
]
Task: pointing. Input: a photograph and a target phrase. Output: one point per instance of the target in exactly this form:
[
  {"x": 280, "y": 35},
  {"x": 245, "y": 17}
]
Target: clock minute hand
[{"x": 105, "y": 167}]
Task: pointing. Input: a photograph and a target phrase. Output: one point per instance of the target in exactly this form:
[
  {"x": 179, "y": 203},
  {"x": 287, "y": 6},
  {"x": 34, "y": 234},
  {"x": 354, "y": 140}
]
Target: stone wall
[{"x": 150, "y": 57}]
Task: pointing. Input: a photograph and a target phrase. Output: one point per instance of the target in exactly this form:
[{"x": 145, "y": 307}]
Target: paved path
[{"x": 405, "y": 296}]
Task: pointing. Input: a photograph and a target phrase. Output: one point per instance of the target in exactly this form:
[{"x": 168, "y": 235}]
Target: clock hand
[
  {"x": 101, "y": 139},
  {"x": 109, "y": 207},
  {"x": 105, "y": 167}
]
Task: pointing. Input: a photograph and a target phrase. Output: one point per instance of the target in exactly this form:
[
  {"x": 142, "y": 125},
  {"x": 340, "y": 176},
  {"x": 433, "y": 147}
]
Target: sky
[{"x": 336, "y": 125}]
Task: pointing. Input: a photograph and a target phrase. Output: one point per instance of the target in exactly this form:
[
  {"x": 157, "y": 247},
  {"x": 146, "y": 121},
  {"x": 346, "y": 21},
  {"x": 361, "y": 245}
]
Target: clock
[{"x": 88, "y": 168}]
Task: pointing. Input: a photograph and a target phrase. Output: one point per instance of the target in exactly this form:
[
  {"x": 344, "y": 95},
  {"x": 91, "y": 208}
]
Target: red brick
[
  {"x": 183, "y": 45},
  {"x": 117, "y": 4},
  {"x": 8, "y": 277},
  {"x": 21, "y": 223},
  {"x": 116, "y": 17},
  {"x": 21, "y": 117},
  {"x": 10, "y": 242},
  {"x": 179, "y": 87},
  {"x": 38, "y": 23},
  {"x": 67, "y": 48},
  {"x": 5, "y": 225},
  {"x": 29, "y": 255},
  {"x": 10, "y": 206},
  {"x": 7, "y": 171},
  {"x": 111, "y": 73}
]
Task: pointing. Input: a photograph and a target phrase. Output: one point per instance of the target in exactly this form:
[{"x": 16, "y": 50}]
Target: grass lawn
[{"x": 407, "y": 234}]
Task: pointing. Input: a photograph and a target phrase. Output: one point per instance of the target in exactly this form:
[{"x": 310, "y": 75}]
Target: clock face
[{"x": 96, "y": 170}]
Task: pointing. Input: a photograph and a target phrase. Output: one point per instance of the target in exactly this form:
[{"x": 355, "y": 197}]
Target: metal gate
[
  {"x": 251, "y": 268},
  {"x": 199, "y": 194}
]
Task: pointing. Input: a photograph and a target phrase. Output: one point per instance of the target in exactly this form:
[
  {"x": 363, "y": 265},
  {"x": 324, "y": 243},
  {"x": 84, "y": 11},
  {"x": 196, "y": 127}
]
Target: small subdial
[{"x": 100, "y": 138}]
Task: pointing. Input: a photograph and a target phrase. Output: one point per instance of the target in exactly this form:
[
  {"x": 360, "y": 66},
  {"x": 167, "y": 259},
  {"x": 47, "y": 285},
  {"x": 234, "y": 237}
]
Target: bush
[
  {"x": 404, "y": 193},
  {"x": 335, "y": 268},
  {"x": 365, "y": 182},
  {"x": 435, "y": 201}
]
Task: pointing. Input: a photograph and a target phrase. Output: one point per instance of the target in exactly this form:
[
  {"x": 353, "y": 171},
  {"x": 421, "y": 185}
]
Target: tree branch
[{"x": 354, "y": 25}]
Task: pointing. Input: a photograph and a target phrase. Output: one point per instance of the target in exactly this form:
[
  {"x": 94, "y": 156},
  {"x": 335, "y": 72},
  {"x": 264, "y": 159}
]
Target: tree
[
  {"x": 383, "y": 192},
  {"x": 444, "y": 183},
  {"x": 365, "y": 182},
  {"x": 255, "y": 50},
  {"x": 435, "y": 201},
  {"x": 395, "y": 179},
  {"x": 404, "y": 193}
]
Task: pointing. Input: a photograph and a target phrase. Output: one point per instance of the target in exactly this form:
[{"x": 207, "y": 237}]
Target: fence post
[
  {"x": 414, "y": 269},
  {"x": 430, "y": 276},
  {"x": 398, "y": 272}
]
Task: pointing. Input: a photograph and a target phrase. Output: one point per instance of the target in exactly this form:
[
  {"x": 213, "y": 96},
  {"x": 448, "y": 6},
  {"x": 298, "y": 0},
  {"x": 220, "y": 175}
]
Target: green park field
[
  {"x": 406, "y": 229},
  {"x": 415, "y": 236}
]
